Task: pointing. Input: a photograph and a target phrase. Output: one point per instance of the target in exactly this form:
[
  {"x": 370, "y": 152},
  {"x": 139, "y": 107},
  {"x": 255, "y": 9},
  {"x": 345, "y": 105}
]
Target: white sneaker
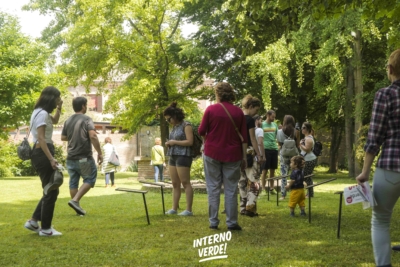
[
  {"x": 32, "y": 225},
  {"x": 49, "y": 232}
]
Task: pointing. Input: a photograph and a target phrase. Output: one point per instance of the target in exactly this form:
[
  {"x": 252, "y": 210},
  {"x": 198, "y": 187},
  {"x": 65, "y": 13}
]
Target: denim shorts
[
  {"x": 180, "y": 161},
  {"x": 86, "y": 168}
]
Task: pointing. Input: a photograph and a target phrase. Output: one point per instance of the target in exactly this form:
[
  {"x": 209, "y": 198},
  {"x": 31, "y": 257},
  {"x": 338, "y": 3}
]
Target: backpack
[
  {"x": 317, "y": 150},
  {"x": 197, "y": 143},
  {"x": 289, "y": 148},
  {"x": 24, "y": 150}
]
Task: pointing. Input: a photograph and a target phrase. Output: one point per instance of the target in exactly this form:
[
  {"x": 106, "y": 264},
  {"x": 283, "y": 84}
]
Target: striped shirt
[
  {"x": 384, "y": 128},
  {"x": 270, "y": 132}
]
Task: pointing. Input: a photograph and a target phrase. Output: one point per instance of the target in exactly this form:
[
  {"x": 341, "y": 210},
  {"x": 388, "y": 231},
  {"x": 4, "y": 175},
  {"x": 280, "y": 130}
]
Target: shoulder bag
[
  {"x": 114, "y": 160},
  {"x": 233, "y": 122},
  {"x": 24, "y": 150}
]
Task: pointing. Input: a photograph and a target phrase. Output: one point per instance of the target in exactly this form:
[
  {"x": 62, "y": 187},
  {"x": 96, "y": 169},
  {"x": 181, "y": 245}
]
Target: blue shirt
[{"x": 298, "y": 177}]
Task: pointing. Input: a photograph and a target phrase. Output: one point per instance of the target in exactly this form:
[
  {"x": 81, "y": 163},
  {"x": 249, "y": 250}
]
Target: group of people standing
[
  {"x": 240, "y": 148},
  {"x": 233, "y": 157}
]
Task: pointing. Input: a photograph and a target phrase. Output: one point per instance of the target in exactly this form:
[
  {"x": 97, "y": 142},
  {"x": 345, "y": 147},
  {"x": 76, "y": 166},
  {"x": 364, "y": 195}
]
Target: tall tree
[
  {"x": 22, "y": 74},
  {"x": 136, "y": 41}
]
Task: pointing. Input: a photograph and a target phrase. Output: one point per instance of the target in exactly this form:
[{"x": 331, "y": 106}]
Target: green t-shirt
[{"x": 270, "y": 131}]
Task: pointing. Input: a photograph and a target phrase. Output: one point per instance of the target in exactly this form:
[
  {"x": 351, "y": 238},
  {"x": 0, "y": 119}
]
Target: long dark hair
[
  {"x": 288, "y": 126},
  {"x": 308, "y": 127},
  {"x": 48, "y": 99}
]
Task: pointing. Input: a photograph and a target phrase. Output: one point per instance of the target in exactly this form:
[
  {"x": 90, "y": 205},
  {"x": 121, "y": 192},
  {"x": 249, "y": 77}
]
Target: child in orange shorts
[{"x": 296, "y": 184}]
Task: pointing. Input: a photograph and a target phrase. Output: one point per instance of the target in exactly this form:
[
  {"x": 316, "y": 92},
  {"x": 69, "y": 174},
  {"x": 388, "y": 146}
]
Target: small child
[{"x": 296, "y": 184}]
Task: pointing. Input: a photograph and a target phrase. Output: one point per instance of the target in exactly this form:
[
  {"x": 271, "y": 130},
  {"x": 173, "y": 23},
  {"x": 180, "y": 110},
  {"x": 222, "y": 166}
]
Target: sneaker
[
  {"x": 49, "y": 232},
  {"x": 171, "y": 211},
  {"x": 32, "y": 225},
  {"x": 282, "y": 198},
  {"x": 235, "y": 227},
  {"x": 250, "y": 213},
  {"x": 291, "y": 214},
  {"x": 303, "y": 213},
  {"x": 213, "y": 227},
  {"x": 75, "y": 205},
  {"x": 186, "y": 213},
  {"x": 272, "y": 192}
]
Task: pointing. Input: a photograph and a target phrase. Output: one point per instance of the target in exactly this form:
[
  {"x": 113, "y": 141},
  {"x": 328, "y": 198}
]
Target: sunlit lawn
[{"x": 115, "y": 230}]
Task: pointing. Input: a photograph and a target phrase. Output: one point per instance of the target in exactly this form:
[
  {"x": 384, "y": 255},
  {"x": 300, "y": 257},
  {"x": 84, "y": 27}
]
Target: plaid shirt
[{"x": 384, "y": 128}]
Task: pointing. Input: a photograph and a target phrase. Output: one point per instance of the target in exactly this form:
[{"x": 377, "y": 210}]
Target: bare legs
[
  {"x": 263, "y": 178},
  {"x": 181, "y": 175}
]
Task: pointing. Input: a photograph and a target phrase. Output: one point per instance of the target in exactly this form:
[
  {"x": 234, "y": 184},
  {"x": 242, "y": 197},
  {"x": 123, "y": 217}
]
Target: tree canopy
[
  {"x": 22, "y": 73},
  {"x": 319, "y": 60}
]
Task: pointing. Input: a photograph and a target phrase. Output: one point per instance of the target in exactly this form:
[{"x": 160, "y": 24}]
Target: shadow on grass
[
  {"x": 21, "y": 178},
  {"x": 115, "y": 233}
]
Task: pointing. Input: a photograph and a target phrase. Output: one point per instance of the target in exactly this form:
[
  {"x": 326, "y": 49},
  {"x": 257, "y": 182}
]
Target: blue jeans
[
  {"x": 218, "y": 173},
  {"x": 386, "y": 191},
  {"x": 108, "y": 176},
  {"x": 158, "y": 170},
  {"x": 83, "y": 167}
]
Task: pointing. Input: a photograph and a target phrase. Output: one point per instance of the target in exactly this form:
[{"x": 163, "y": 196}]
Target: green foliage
[
  {"x": 8, "y": 152},
  {"x": 197, "y": 170},
  {"x": 21, "y": 74},
  {"x": 133, "y": 167},
  {"x": 12, "y": 165},
  {"x": 138, "y": 41},
  {"x": 359, "y": 150}
]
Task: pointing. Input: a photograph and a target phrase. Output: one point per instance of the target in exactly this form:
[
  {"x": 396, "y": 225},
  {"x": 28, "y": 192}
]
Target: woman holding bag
[
  {"x": 108, "y": 168},
  {"x": 158, "y": 159},
  {"x": 224, "y": 128},
  {"x": 43, "y": 158}
]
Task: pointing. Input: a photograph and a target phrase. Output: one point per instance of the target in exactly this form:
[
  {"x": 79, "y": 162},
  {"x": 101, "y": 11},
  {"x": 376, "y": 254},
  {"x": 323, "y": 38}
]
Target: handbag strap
[
  {"x": 158, "y": 152},
  {"x": 233, "y": 122},
  {"x": 28, "y": 133}
]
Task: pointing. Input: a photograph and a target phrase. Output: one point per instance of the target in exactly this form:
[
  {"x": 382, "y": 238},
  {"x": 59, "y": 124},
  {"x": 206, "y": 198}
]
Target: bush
[
  {"x": 132, "y": 167},
  {"x": 197, "y": 169},
  {"x": 12, "y": 165}
]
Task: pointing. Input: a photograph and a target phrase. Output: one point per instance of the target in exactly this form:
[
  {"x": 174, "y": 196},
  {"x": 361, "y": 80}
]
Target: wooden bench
[
  {"x": 130, "y": 190},
  {"x": 162, "y": 192}
]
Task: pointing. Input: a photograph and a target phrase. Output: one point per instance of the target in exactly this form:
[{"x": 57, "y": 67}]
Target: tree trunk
[
  {"x": 349, "y": 126},
  {"x": 358, "y": 86},
  {"x": 336, "y": 139}
]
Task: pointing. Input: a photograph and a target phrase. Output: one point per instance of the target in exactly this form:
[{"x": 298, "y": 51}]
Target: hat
[{"x": 56, "y": 180}]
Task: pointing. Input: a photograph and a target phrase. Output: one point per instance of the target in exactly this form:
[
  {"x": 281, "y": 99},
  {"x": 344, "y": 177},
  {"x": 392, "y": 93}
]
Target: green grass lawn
[{"x": 115, "y": 232}]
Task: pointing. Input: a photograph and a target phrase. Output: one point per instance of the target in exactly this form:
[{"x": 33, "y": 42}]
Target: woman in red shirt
[{"x": 224, "y": 129}]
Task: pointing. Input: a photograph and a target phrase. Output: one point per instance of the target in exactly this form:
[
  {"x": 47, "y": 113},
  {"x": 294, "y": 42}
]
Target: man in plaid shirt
[{"x": 384, "y": 135}]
